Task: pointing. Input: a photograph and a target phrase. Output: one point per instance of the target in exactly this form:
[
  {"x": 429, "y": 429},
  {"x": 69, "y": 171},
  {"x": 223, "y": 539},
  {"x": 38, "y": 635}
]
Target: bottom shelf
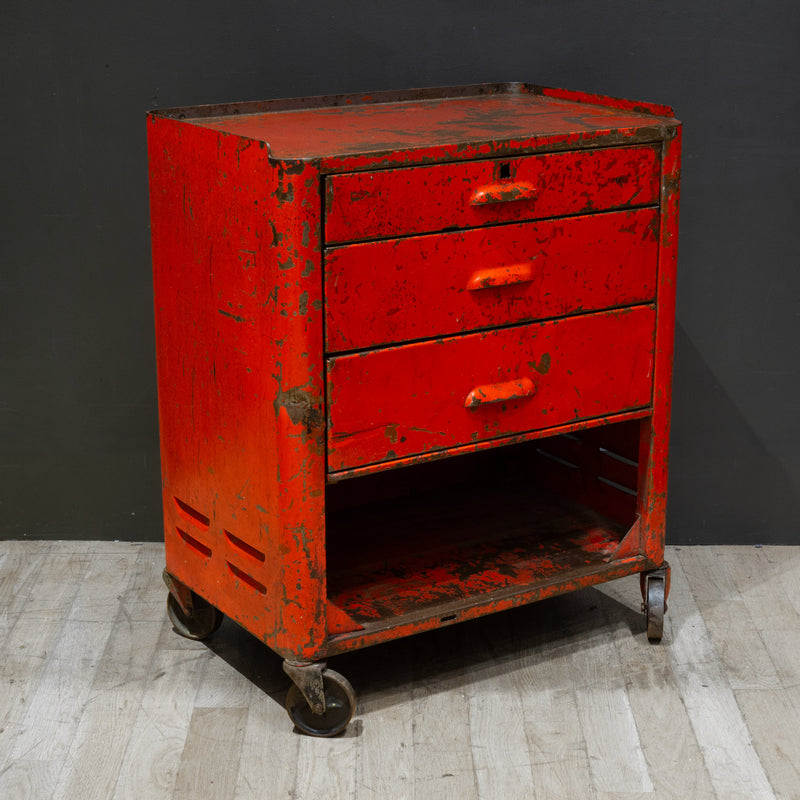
[{"x": 458, "y": 544}]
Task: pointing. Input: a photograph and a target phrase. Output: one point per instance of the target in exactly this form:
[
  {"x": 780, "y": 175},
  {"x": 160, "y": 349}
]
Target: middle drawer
[{"x": 417, "y": 287}]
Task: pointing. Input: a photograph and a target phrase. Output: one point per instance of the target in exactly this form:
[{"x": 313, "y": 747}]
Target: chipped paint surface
[
  {"x": 448, "y": 283},
  {"x": 388, "y": 202},
  {"x": 389, "y": 281},
  {"x": 351, "y": 132},
  {"x": 239, "y": 330}
]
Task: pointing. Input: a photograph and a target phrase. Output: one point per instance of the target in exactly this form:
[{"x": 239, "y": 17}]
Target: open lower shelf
[{"x": 455, "y": 545}]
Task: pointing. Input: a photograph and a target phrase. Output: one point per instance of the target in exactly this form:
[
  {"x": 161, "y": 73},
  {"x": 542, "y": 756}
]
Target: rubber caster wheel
[
  {"x": 340, "y": 704},
  {"x": 200, "y": 624},
  {"x": 655, "y": 607},
  {"x": 655, "y": 591}
]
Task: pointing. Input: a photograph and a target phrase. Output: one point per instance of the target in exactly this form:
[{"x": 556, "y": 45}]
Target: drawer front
[
  {"x": 398, "y": 202},
  {"x": 401, "y": 401},
  {"x": 423, "y": 286}
]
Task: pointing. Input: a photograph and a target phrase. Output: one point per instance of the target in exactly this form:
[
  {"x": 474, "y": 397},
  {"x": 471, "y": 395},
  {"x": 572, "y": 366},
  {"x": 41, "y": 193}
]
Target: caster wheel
[
  {"x": 340, "y": 703},
  {"x": 655, "y": 591},
  {"x": 200, "y": 624},
  {"x": 655, "y": 606}
]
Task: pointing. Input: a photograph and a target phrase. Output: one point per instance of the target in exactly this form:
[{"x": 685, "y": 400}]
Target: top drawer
[{"x": 397, "y": 202}]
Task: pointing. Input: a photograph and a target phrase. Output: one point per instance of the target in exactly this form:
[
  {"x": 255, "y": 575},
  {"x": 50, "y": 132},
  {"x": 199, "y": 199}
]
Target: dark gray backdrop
[{"x": 78, "y": 424}]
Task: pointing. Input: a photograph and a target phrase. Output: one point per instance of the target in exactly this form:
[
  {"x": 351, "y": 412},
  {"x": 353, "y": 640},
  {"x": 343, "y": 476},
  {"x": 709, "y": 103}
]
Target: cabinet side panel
[
  {"x": 654, "y": 447},
  {"x": 238, "y": 309}
]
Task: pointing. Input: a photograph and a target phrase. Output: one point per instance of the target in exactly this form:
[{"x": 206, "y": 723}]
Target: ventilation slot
[
  {"x": 194, "y": 544},
  {"x": 244, "y": 547},
  {"x": 192, "y": 514},
  {"x": 248, "y": 579},
  {"x": 505, "y": 170},
  {"x": 617, "y": 486},
  {"x": 618, "y": 457},
  {"x": 562, "y": 461}
]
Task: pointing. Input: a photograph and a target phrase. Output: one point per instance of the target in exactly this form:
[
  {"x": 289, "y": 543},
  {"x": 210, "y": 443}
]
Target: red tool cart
[{"x": 414, "y": 362}]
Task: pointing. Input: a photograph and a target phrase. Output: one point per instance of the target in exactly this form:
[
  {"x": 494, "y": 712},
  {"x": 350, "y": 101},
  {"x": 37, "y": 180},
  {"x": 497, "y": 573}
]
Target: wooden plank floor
[{"x": 563, "y": 699}]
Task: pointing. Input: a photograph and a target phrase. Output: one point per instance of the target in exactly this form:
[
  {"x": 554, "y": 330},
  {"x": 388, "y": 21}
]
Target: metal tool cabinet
[{"x": 414, "y": 362}]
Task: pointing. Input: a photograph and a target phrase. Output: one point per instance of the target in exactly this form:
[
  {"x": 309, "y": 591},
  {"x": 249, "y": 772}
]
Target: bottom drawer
[{"x": 403, "y": 401}]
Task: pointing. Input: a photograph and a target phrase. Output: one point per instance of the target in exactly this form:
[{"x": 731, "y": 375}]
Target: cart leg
[
  {"x": 655, "y": 590},
  {"x": 190, "y": 615},
  {"x": 320, "y": 701}
]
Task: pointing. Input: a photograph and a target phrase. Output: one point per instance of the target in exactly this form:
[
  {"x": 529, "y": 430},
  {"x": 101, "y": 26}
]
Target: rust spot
[
  {"x": 293, "y": 167},
  {"x": 232, "y": 316},
  {"x": 284, "y": 193},
  {"x": 543, "y": 367},
  {"x": 277, "y": 236},
  {"x": 272, "y": 297},
  {"x": 651, "y": 231},
  {"x": 300, "y": 407},
  {"x": 672, "y": 182}
]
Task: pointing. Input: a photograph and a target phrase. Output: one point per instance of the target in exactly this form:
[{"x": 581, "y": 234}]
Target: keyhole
[{"x": 505, "y": 170}]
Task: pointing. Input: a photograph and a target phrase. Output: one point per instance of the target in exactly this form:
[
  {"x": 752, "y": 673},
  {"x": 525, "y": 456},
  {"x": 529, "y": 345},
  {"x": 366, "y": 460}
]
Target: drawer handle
[
  {"x": 502, "y": 193},
  {"x": 499, "y": 392},
  {"x": 500, "y": 276}
]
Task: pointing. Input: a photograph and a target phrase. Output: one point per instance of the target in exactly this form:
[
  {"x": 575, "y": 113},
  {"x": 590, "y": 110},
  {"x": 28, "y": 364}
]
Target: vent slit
[
  {"x": 192, "y": 514},
  {"x": 618, "y": 457},
  {"x": 248, "y": 579},
  {"x": 201, "y": 548},
  {"x": 244, "y": 547},
  {"x": 562, "y": 461},
  {"x": 617, "y": 486}
]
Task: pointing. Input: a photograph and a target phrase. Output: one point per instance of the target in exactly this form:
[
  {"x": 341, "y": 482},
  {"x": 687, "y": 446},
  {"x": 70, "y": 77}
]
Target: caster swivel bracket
[
  {"x": 307, "y": 676},
  {"x": 181, "y": 593}
]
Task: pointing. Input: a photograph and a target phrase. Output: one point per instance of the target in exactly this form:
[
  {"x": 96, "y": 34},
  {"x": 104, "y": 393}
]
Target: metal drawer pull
[
  {"x": 499, "y": 392},
  {"x": 502, "y": 193},
  {"x": 500, "y": 276}
]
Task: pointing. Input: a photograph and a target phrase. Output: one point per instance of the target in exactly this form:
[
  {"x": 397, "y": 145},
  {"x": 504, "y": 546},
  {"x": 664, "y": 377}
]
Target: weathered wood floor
[{"x": 564, "y": 699}]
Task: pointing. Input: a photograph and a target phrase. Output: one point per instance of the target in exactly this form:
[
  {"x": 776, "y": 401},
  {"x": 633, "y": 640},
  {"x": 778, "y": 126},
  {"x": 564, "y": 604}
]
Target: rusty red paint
[
  {"x": 303, "y": 270},
  {"x": 399, "y": 401},
  {"x": 502, "y": 441},
  {"x": 369, "y": 205},
  {"x": 346, "y": 133},
  {"x": 460, "y": 611},
  {"x": 448, "y": 283},
  {"x": 242, "y": 437},
  {"x": 502, "y": 193},
  {"x": 653, "y": 459},
  {"x": 500, "y": 276},
  {"x": 500, "y": 392},
  {"x": 618, "y": 103},
  {"x": 444, "y": 548}
]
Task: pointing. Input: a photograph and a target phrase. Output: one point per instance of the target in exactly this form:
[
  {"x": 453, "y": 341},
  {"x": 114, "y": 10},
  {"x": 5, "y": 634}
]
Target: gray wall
[{"x": 78, "y": 425}]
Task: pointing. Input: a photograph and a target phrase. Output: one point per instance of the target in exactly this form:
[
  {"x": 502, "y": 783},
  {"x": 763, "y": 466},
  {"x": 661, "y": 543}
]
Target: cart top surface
[{"x": 349, "y": 125}]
